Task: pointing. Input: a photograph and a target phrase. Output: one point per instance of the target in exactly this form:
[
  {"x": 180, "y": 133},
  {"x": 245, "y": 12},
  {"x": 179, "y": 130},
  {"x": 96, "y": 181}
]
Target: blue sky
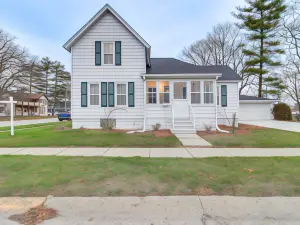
[{"x": 167, "y": 25}]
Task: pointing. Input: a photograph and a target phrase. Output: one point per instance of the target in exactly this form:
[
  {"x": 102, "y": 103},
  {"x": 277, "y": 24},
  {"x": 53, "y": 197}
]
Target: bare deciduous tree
[
  {"x": 223, "y": 46},
  {"x": 290, "y": 34},
  {"x": 12, "y": 61}
]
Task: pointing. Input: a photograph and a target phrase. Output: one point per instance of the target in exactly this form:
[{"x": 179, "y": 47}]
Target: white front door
[{"x": 180, "y": 99}]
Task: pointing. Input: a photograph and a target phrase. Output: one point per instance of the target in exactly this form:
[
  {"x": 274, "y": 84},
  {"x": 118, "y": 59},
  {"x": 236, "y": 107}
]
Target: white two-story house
[{"x": 112, "y": 68}]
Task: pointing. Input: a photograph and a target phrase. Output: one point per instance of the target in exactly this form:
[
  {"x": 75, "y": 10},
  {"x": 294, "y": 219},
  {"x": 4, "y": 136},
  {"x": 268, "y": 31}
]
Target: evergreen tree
[
  {"x": 59, "y": 80},
  {"x": 261, "y": 19},
  {"x": 32, "y": 75},
  {"x": 43, "y": 84}
]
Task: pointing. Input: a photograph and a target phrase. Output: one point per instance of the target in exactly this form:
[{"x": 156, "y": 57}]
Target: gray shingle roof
[
  {"x": 246, "y": 97},
  {"x": 175, "y": 66}
]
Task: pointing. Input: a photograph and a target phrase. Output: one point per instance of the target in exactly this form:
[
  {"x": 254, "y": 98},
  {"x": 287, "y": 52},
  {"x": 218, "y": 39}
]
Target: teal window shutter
[
  {"x": 98, "y": 53},
  {"x": 103, "y": 94},
  {"x": 224, "y": 95},
  {"x": 111, "y": 94},
  {"x": 118, "y": 53},
  {"x": 83, "y": 94},
  {"x": 131, "y": 94}
]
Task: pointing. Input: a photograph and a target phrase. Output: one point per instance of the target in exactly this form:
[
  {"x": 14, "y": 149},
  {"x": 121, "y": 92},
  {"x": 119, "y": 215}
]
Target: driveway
[
  {"x": 27, "y": 122},
  {"x": 281, "y": 125}
]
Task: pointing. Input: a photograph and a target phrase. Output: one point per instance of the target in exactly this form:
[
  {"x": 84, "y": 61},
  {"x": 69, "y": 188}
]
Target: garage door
[{"x": 255, "y": 112}]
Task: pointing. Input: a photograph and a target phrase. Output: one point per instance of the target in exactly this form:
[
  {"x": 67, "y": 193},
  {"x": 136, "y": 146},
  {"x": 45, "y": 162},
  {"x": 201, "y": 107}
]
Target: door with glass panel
[{"x": 180, "y": 104}]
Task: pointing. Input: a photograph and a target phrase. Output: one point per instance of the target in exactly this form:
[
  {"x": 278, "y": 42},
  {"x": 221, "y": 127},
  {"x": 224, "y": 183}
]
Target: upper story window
[{"x": 108, "y": 53}]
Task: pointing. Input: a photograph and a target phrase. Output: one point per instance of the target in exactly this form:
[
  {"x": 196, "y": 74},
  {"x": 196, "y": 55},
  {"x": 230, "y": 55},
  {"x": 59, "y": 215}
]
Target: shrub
[
  {"x": 156, "y": 127},
  {"x": 297, "y": 117},
  {"x": 282, "y": 111},
  {"x": 208, "y": 127}
]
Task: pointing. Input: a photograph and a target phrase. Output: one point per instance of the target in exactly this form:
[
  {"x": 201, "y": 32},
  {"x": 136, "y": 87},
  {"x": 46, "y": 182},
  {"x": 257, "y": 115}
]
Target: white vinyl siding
[{"x": 108, "y": 29}]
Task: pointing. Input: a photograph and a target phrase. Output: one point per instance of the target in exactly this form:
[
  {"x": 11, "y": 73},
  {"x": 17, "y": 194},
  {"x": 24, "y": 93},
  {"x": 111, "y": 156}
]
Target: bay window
[
  {"x": 208, "y": 92},
  {"x": 151, "y": 92},
  {"x": 195, "y": 92},
  {"x": 164, "y": 92}
]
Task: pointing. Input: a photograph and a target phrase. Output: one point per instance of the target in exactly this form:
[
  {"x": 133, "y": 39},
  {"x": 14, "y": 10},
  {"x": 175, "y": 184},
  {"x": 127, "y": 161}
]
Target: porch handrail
[
  {"x": 173, "y": 116},
  {"x": 193, "y": 114}
]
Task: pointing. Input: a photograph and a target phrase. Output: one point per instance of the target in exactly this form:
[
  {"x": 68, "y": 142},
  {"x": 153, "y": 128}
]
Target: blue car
[{"x": 64, "y": 116}]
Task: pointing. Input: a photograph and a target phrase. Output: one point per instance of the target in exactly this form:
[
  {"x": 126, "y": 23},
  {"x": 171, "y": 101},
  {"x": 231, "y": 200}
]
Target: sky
[{"x": 167, "y": 25}]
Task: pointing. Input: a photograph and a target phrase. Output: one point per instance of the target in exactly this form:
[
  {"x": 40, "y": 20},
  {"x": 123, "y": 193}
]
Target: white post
[{"x": 12, "y": 132}]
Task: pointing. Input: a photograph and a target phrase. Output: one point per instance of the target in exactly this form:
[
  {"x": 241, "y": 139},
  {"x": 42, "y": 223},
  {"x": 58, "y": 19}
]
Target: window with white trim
[
  {"x": 94, "y": 94},
  {"x": 164, "y": 92},
  {"x": 151, "y": 92},
  {"x": 1, "y": 109},
  {"x": 218, "y": 95},
  {"x": 208, "y": 92},
  {"x": 195, "y": 92},
  {"x": 121, "y": 94},
  {"x": 108, "y": 53}
]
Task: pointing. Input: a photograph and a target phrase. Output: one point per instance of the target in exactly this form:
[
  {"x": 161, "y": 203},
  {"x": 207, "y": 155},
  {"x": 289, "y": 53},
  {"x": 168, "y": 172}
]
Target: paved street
[
  {"x": 191, "y": 210},
  {"x": 155, "y": 152},
  {"x": 27, "y": 122}
]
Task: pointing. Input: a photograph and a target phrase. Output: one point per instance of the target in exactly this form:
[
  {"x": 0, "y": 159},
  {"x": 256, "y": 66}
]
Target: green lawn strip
[
  {"x": 263, "y": 138},
  {"x": 103, "y": 176},
  {"x": 7, "y": 128},
  {"x": 62, "y": 135}
]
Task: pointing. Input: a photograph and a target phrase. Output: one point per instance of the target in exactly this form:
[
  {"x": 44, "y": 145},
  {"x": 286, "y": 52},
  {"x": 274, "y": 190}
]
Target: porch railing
[
  {"x": 173, "y": 116},
  {"x": 192, "y": 114}
]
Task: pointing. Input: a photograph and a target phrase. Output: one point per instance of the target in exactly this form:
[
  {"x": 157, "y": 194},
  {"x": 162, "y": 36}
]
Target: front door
[{"x": 180, "y": 104}]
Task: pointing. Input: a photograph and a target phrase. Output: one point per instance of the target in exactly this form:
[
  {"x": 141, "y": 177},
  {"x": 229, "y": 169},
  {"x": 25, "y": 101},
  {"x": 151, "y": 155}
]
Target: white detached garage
[{"x": 255, "y": 108}]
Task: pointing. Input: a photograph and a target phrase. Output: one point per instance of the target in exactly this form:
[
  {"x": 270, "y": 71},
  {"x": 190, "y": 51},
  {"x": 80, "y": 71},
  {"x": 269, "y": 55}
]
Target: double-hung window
[
  {"x": 208, "y": 92},
  {"x": 195, "y": 92},
  {"x": 151, "y": 92},
  {"x": 108, "y": 53},
  {"x": 164, "y": 92},
  {"x": 94, "y": 94},
  {"x": 121, "y": 94}
]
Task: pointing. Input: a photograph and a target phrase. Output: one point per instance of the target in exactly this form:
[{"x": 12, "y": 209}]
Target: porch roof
[{"x": 175, "y": 66}]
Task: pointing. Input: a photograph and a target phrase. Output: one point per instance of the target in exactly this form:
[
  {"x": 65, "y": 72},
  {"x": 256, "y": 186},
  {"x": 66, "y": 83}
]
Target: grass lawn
[
  {"x": 102, "y": 176},
  {"x": 251, "y": 136},
  {"x": 7, "y": 118},
  {"x": 54, "y": 136}
]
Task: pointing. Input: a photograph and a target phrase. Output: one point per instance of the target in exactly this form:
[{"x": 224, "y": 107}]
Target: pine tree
[
  {"x": 32, "y": 75},
  {"x": 43, "y": 84},
  {"x": 261, "y": 19},
  {"x": 59, "y": 80}
]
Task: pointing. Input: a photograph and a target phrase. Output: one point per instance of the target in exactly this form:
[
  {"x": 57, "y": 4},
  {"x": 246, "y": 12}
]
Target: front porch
[{"x": 181, "y": 104}]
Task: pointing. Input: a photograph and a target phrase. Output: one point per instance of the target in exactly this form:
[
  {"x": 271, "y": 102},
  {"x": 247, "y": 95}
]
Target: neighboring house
[
  {"x": 112, "y": 68},
  {"x": 27, "y": 104}
]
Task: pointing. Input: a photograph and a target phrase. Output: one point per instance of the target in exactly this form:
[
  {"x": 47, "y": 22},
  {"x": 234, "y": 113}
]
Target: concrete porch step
[{"x": 183, "y": 131}]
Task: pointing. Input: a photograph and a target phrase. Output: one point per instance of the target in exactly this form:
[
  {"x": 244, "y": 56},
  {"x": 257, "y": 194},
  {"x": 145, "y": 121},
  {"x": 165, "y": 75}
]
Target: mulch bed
[
  {"x": 35, "y": 215},
  {"x": 242, "y": 129}
]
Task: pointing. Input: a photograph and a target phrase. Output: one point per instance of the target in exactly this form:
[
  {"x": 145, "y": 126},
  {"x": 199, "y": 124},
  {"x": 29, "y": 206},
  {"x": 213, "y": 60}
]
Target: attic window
[{"x": 108, "y": 53}]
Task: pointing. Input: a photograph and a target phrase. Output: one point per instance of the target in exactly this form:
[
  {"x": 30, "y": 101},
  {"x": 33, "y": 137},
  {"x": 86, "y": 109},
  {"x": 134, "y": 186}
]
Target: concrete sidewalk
[
  {"x": 175, "y": 210},
  {"x": 155, "y": 152}
]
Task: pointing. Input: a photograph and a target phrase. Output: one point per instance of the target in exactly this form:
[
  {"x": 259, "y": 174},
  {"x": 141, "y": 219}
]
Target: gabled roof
[
  {"x": 95, "y": 18},
  {"x": 175, "y": 66},
  {"x": 21, "y": 96}
]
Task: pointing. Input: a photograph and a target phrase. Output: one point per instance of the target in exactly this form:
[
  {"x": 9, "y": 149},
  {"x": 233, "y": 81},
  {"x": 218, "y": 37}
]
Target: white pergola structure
[{"x": 11, "y": 101}]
